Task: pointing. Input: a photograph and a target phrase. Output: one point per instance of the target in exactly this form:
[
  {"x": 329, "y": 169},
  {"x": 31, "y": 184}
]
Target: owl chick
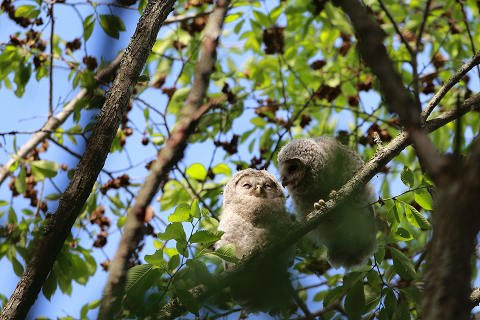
[
  {"x": 311, "y": 170},
  {"x": 253, "y": 215}
]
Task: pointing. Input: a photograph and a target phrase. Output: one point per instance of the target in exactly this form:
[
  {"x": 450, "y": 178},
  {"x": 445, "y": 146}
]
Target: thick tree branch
[
  {"x": 175, "y": 308},
  {"x": 167, "y": 158},
  {"x": 55, "y": 121},
  {"x": 98, "y": 146}
]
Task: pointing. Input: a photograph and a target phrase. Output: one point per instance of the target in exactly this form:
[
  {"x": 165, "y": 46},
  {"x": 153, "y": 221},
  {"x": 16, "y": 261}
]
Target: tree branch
[
  {"x": 175, "y": 308},
  {"x": 55, "y": 121},
  {"x": 167, "y": 158},
  {"x": 98, "y": 146},
  {"x": 454, "y": 79}
]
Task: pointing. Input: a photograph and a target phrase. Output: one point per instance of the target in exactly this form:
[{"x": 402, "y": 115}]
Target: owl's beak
[
  {"x": 258, "y": 190},
  {"x": 285, "y": 181}
]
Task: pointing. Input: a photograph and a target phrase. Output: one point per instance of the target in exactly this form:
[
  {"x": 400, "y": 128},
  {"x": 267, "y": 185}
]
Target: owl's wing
[{"x": 341, "y": 164}]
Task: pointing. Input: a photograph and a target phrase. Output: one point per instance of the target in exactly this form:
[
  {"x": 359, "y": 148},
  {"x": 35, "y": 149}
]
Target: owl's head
[
  {"x": 298, "y": 161},
  {"x": 253, "y": 183}
]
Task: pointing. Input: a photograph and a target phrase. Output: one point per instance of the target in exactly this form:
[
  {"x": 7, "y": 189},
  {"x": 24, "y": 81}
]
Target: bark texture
[{"x": 456, "y": 222}]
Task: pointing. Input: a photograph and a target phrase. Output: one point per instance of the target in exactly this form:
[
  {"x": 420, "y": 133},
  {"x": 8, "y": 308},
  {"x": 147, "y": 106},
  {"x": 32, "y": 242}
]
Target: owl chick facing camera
[
  {"x": 311, "y": 170},
  {"x": 254, "y": 215}
]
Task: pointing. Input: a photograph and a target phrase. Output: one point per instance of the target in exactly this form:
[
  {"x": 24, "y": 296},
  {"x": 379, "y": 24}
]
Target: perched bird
[
  {"x": 311, "y": 170},
  {"x": 254, "y": 214}
]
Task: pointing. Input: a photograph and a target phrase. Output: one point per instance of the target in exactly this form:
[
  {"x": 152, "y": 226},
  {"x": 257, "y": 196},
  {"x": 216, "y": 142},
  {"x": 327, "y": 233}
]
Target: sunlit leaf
[
  {"x": 197, "y": 171},
  {"x": 407, "y": 177},
  {"x": 423, "y": 198},
  {"x": 181, "y": 213},
  {"x": 42, "y": 169}
]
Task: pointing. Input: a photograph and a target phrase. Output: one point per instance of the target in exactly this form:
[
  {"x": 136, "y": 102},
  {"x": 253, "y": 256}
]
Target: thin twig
[{"x": 50, "y": 67}]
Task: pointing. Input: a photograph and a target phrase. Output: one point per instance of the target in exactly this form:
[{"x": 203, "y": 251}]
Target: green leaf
[
  {"x": 49, "y": 286},
  {"x": 258, "y": 122},
  {"x": 205, "y": 236},
  {"x": 173, "y": 194},
  {"x": 20, "y": 183},
  {"x": 197, "y": 171},
  {"x": 390, "y": 302},
  {"x": 12, "y": 216},
  {"x": 139, "y": 279},
  {"x": 21, "y": 78},
  {"x": 423, "y": 198},
  {"x": 407, "y": 177},
  {"x": 181, "y": 213},
  {"x": 261, "y": 18},
  {"x": 355, "y": 301},
  {"x": 27, "y": 11},
  {"x": 416, "y": 218},
  {"x": 276, "y": 12},
  {"x": 226, "y": 253},
  {"x": 42, "y": 169},
  {"x": 423, "y": 223},
  {"x": 17, "y": 266},
  {"x": 173, "y": 231},
  {"x": 320, "y": 296},
  {"x": 402, "y": 264},
  {"x": 206, "y": 214},
  {"x": 403, "y": 235},
  {"x": 233, "y": 17},
  {"x": 173, "y": 262},
  {"x": 157, "y": 138},
  {"x": 333, "y": 295},
  {"x": 195, "y": 209},
  {"x": 111, "y": 24},
  {"x": 156, "y": 259},
  {"x": 53, "y": 196},
  {"x": 222, "y": 168},
  {"x": 88, "y": 25},
  {"x": 188, "y": 300}
]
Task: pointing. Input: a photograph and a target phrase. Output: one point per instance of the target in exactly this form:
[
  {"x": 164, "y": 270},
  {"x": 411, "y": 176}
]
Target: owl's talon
[
  {"x": 332, "y": 194},
  {"x": 319, "y": 205}
]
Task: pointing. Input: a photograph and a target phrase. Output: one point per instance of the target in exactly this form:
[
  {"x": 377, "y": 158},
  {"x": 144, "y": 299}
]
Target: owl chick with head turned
[
  {"x": 311, "y": 170},
  {"x": 254, "y": 214}
]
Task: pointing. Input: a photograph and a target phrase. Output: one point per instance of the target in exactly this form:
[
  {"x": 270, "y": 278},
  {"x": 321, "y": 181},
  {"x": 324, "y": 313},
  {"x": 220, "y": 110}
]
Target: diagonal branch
[
  {"x": 55, "y": 121},
  {"x": 167, "y": 158},
  {"x": 58, "y": 227},
  {"x": 175, "y": 308},
  {"x": 454, "y": 79}
]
